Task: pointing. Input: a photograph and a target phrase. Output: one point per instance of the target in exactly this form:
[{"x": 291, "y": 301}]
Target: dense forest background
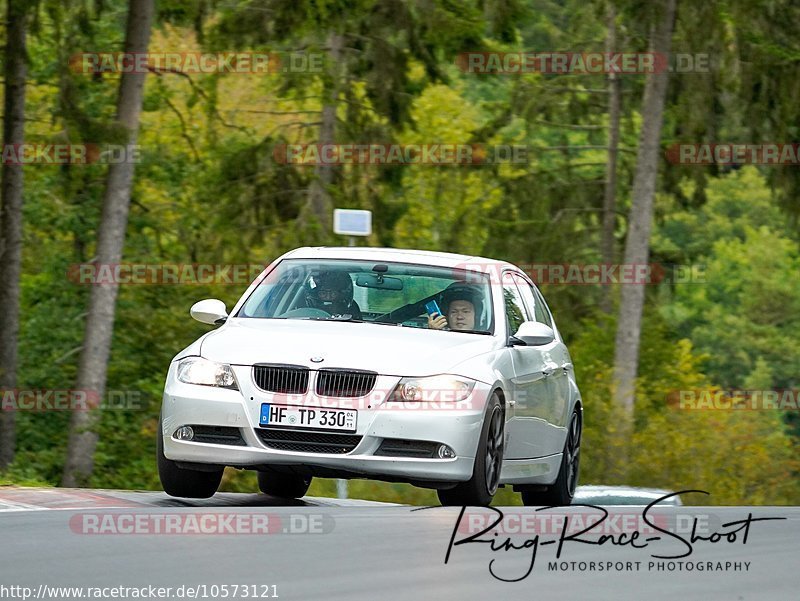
[{"x": 208, "y": 190}]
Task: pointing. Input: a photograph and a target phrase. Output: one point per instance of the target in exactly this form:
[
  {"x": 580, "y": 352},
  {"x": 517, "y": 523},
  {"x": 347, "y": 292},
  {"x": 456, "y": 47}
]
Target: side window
[
  {"x": 515, "y": 309},
  {"x": 534, "y": 302},
  {"x": 527, "y": 296},
  {"x": 542, "y": 312}
]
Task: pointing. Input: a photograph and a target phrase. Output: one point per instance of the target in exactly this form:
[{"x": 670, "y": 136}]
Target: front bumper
[{"x": 457, "y": 425}]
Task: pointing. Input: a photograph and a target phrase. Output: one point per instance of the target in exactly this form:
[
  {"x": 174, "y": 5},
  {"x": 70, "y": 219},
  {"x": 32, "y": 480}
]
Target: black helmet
[{"x": 331, "y": 291}]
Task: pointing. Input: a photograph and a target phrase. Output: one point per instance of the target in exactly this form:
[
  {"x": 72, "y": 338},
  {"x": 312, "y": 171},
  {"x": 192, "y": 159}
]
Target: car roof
[
  {"x": 398, "y": 255},
  {"x": 621, "y": 491}
]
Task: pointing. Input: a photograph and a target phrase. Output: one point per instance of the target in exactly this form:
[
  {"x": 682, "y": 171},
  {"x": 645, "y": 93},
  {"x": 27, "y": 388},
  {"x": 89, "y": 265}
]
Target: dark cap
[{"x": 463, "y": 292}]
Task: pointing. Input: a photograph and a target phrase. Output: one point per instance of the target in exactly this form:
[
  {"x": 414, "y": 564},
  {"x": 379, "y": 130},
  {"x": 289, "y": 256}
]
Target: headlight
[
  {"x": 433, "y": 388},
  {"x": 196, "y": 370}
]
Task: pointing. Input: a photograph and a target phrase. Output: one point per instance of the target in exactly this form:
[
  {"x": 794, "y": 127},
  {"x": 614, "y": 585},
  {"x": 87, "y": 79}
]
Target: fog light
[
  {"x": 446, "y": 452},
  {"x": 184, "y": 433}
]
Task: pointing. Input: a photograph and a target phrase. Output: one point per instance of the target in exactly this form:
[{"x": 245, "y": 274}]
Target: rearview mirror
[
  {"x": 379, "y": 281},
  {"x": 211, "y": 311},
  {"x": 533, "y": 333}
]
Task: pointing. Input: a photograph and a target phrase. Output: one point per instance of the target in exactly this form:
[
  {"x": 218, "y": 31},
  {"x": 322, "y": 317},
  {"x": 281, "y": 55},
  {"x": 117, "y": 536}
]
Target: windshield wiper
[{"x": 345, "y": 317}]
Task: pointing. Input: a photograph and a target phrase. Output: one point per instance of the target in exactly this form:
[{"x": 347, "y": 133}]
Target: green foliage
[
  {"x": 745, "y": 313},
  {"x": 740, "y": 457},
  {"x": 208, "y": 190},
  {"x": 445, "y": 207}
]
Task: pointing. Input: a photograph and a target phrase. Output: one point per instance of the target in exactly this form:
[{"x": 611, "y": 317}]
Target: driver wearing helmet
[
  {"x": 332, "y": 291},
  {"x": 463, "y": 306}
]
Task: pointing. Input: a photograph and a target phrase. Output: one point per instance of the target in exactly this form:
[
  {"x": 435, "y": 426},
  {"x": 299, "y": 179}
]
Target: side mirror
[
  {"x": 533, "y": 333},
  {"x": 211, "y": 311}
]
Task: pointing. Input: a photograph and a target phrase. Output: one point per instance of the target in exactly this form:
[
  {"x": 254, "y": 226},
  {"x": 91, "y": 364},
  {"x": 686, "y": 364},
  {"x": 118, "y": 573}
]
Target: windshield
[{"x": 364, "y": 291}]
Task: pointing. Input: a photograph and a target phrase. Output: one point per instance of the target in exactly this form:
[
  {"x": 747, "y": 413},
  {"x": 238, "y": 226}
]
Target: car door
[
  {"x": 559, "y": 364},
  {"x": 527, "y": 431}
]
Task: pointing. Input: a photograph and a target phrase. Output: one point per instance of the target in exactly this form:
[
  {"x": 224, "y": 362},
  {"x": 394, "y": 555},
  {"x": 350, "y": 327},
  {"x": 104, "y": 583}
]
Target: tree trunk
[
  {"x": 319, "y": 197},
  {"x": 610, "y": 197},
  {"x": 93, "y": 364},
  {"x": 11, "y": 217},
  {"x": 637, "y": 243}
]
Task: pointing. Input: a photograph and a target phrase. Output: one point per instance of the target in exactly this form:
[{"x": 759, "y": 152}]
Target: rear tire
[
  {"x": 563, "y": 489},
  {"x": 481, "y": 488},
  {"x": 284, "y": 486},
  {"x": 180, "y": 482}
]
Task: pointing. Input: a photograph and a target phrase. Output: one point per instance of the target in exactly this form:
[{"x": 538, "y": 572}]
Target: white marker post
[{"x": 350, "y": 222}]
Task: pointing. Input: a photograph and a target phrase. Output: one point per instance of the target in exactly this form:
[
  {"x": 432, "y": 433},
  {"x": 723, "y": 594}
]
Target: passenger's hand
[{"x": 437, "y": 323}]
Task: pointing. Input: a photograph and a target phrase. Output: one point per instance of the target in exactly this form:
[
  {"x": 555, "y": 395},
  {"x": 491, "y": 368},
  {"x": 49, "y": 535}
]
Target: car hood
[{"x": 387, "y": 350}]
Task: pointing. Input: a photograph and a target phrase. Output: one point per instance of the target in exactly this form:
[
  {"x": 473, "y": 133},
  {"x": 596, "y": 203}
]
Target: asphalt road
[{"x": 332, "y": 550}]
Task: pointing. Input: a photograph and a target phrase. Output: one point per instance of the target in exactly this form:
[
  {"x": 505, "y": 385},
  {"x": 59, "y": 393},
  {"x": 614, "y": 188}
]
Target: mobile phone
[{"x": 432, "y": 308}]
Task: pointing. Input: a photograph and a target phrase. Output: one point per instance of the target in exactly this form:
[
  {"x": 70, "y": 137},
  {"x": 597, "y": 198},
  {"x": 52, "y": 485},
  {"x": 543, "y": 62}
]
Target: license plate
[{"x": 316, "y": 418}]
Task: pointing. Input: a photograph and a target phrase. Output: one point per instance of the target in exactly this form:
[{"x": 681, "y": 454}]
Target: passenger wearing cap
[{"x": 461, "y": 305}]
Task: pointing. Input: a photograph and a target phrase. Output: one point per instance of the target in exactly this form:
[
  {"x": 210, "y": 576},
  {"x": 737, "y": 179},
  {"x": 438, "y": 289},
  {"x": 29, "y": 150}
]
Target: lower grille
[
  {"x": 308, "y": 442},
  {"x": 341, "y": 383},
  {"x": 218, "y": 435},
  {"x": 396, "y": 447}
]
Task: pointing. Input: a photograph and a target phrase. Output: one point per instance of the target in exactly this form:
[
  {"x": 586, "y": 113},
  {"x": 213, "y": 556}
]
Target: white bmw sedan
[{"x": 445, "y": 371}]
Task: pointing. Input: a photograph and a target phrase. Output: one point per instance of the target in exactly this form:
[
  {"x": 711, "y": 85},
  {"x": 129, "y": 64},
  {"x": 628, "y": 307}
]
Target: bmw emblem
[{"x": 317, "y": 359}]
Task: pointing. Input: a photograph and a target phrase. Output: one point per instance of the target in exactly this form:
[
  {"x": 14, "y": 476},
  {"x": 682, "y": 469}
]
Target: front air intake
[
  {"x": 345, "y": 383},
  {"x": 284, "y": 379}
]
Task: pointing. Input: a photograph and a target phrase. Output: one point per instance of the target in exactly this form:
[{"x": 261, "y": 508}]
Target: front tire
[
  {"x": 563, "y": 489},
  {"x": 180, "y": 482},
  {"x": 481, "y": 488},
  {"x": 284, "y": 486}
]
